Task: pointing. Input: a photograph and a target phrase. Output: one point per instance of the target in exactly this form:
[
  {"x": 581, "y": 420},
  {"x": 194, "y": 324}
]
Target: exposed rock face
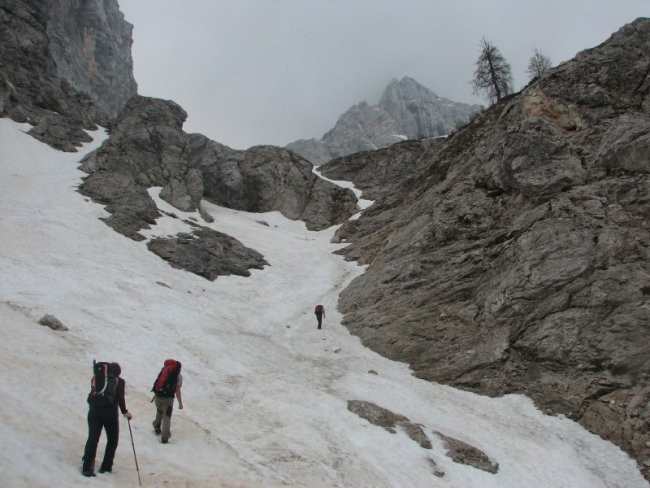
[
  {"x": 207, "y": 253},
  {"x": 458, "y": 451},
  {"x": 463, "y": 453},
  {"x": 145, "y": 149},
  {"x": 407, "y": 110},
  {"x": 515, "y": 257},
  {"x": 37, "y": 81},
  {"x": 361, "y": 128},
  {"x": 30, "y": 88},
  {"x": 265, "y": 178},
  {"x": 91, "y": 45},
  {"x": 388, "y": 420},
  {"x": 148, "y": 148},
  {"x": 420, "y": 113}
]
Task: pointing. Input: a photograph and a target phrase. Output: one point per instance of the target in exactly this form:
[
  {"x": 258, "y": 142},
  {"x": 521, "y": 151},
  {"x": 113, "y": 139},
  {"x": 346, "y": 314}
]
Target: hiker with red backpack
[
  {"x": 320, "y": 313},
  {"x": 106, "y": 395},
  {"x": 167, "y": 387}
]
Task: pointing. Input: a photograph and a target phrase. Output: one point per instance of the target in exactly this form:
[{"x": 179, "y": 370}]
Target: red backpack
[
  {"x": 319, "y": 309},
  {"x": 165, "y": 384}
]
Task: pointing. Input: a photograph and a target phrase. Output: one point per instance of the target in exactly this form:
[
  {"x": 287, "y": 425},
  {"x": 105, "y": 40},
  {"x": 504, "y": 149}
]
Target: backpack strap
[{"x": 105, "y": 379}]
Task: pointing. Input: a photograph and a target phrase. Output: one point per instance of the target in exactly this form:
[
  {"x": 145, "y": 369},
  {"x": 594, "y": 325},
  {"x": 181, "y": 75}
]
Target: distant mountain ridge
[{"x": 406, "y": 110}]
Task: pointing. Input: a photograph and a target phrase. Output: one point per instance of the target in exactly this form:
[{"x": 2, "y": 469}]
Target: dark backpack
[
  {"x": 319, "y": 309},
  {"x": 103, "y": 386},
  {"x": 165, "y": 384}
]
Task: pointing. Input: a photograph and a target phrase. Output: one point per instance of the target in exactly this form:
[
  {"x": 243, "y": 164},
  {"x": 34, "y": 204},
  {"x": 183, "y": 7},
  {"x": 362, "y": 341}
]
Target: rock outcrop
[
  {"x": 407, "y": 110},
  {"x": 148, "y": 148},
  {"x": 45, "y": 78},
  {"x": 514, "y": 256},
  {"x": 91, "y": 45},
  {"x": 458, "y": 451},
  {"x": 463, "y": 453},
  {"x": 389, "y": 421},
  {"x": 66, "y": 66},
  {"x": 207, "y": 253}
]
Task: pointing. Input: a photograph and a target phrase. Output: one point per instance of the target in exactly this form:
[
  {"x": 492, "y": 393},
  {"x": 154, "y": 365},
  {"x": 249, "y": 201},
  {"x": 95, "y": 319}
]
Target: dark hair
[
  {"x": 115, "y": 369},
  {"x": 178, "y": 366}
]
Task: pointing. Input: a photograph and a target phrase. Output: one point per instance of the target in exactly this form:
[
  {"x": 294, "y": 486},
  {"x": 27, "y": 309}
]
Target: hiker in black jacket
[
  {"x": 102, "y": 414},
  {"x": 320, "y": 313}
]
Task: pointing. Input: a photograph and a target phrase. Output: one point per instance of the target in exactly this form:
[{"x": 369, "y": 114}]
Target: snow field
[{"x": 265, "y": 392}]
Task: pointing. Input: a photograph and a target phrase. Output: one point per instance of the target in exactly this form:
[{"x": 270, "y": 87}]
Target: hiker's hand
[
  {"x": 128, "y": 415},
  {"x": 180, "y": 405}
]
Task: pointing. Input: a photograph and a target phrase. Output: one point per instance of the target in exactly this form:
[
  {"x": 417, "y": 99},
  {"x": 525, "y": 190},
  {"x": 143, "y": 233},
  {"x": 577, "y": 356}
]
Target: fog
[{"x": 254, "y": 72}]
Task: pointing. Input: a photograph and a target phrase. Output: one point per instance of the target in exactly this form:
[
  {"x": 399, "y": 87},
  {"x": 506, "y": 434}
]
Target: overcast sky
[{"x": 254, "y": 72}]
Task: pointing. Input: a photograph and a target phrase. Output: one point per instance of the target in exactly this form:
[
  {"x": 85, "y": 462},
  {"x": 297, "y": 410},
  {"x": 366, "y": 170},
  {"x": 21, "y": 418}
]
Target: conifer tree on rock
[{"x": 493, "y": 74}]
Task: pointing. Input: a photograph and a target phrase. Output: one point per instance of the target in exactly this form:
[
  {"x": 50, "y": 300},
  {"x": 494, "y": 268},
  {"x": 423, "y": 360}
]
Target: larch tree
[
  {"x": 493, "y": 74},
  {"x": 538, "y": 64}
]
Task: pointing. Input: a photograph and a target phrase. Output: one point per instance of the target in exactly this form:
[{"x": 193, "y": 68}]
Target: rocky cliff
[
  {"x": 513, "y": 256},
  {"x": 91, "y": 45},
  {"x": 66, "y": 66},
  {"x": 407, "y": 110},
  {"x": 148, "y": 148},
  {"x": 62, "y": 66}
]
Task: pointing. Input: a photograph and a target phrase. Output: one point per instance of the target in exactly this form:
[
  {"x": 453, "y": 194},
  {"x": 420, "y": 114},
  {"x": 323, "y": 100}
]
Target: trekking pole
[{"x": 134, "y": 455}]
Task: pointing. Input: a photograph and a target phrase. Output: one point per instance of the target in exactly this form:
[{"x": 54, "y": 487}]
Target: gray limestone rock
[
  {"x": 90, "y": 43},
  {"x": 389, "y": 421},
  {"x": 184, "y": 193},
  {"x": 148, "y": 148},
  {"x": 207, "y": 253},
  {"x": 463, "y": 453},
  {"x": 43, "y": 49},
  {"x": 514, "y": 255},
  {"x": 52, "y": 322},
  {"x": 407, "y": 110},
  {"x": 313, "y": 150},
  {"x": 266, "y": 178},
  {"x": 420, "y": 113}
]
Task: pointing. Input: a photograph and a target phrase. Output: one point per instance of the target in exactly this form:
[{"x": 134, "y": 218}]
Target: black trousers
[
  {"x": 101, "y": 418},
  {"x": 319, "y": 317}
]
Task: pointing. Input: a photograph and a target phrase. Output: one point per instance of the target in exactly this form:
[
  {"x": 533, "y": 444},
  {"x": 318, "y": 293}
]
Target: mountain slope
[
  {"x": 514, "y": 255},
  {"x": 266, "y": 394}
]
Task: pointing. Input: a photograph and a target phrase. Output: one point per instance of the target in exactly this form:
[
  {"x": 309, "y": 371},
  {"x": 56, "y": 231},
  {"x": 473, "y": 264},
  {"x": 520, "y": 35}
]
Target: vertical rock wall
[{"x": 91, "y": 43}]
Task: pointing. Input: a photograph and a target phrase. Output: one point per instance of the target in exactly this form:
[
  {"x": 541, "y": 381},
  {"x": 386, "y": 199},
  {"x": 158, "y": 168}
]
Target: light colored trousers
[{"x": 164, "y": 407}]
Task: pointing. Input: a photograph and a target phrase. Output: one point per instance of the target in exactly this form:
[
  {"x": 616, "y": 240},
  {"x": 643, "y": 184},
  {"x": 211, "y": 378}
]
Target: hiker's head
[
  {"x": 115, "y": 369},
  {"x": 178, "y": 366}
]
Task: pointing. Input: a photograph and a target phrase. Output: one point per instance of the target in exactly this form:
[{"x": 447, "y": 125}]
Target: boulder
[{"x": 207, "y": 253}]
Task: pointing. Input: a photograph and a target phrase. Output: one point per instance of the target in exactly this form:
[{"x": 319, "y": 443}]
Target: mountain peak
[{"x": 406, "y": 110}]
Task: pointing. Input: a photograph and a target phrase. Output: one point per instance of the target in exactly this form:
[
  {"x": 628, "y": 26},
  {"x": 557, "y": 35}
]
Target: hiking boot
[
  {"x": 164, "y": 441},
  {"x": 157, "y": 430},
  {"x": 88, "y": 474},
  {"x": 105, "y": 470}
]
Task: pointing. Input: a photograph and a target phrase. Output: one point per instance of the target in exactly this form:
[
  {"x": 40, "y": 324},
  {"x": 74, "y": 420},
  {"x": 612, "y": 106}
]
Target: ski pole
[{"x": 134, "y": 455}]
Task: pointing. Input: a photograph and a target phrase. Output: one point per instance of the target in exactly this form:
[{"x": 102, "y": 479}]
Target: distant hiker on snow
[
  {"x": 166, "y": 387},
  {"x": 320, "y": 313},
  {"x": 106, "y": 394}
]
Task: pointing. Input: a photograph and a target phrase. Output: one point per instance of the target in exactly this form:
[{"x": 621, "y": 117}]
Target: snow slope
[{"x": 265, "y": 392}]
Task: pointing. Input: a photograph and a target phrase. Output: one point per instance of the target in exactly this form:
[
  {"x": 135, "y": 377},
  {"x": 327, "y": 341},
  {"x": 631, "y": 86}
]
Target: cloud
[{"x": 269, "y": 72}]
